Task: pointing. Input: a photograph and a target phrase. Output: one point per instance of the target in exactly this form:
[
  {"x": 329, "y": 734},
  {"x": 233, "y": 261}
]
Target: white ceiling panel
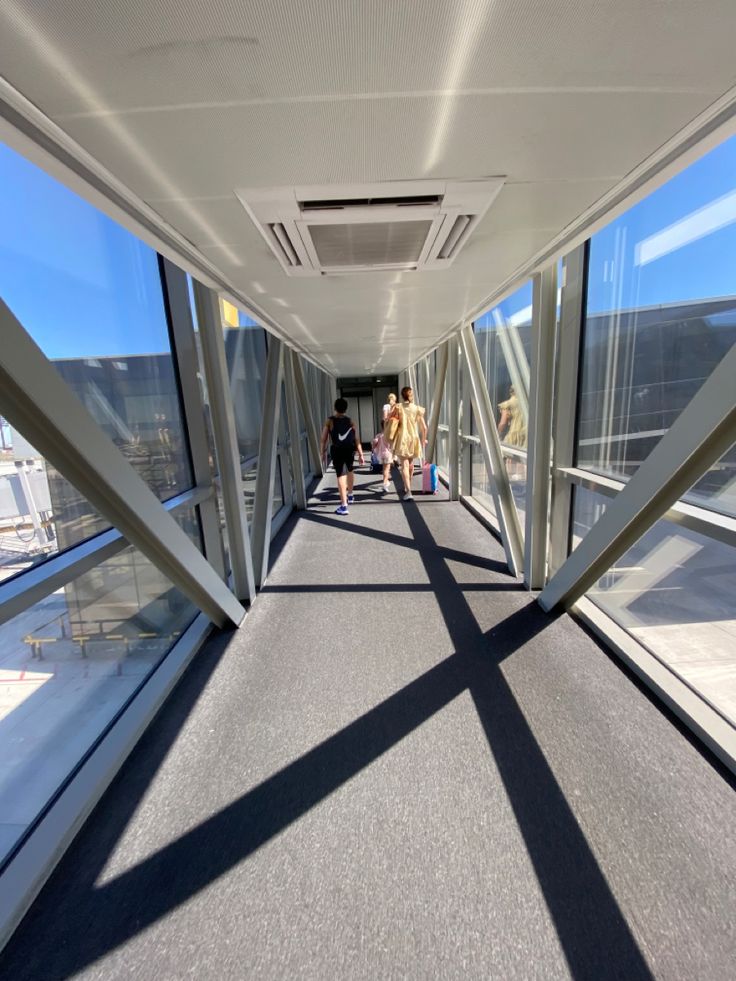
[{"x": 185, "y": 102}]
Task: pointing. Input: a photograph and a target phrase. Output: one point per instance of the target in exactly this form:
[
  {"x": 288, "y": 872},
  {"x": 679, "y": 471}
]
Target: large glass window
[
  {"x": 661, "y": 314},
  {"x": 503, "y": 338},
  {"x": 68, "y": 665},
  {"x": 674, "y": 591},
  {"x": 89, "y": 294}
]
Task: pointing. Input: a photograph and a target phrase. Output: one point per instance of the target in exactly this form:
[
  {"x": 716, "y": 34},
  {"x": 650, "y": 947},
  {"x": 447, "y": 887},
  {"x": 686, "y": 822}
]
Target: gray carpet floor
[{"x": 398, "y": 767}]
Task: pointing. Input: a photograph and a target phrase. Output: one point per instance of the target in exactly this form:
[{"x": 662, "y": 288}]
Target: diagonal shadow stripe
[
  {"x": 405, "y": 541},
  {"x": 127, "y": 905},
  {"x": 593, "y": 933}
]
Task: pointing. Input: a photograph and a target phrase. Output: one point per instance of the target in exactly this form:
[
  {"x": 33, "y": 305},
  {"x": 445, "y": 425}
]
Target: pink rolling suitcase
[{"x": 429, "y": 478}]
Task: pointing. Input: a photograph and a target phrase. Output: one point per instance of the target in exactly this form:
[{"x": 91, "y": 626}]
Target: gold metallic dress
[{"x": 407, "y": 442}]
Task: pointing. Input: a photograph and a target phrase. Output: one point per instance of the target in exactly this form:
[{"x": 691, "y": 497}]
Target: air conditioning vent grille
[
  {"x": 327, "y": 230},
  {"x": 369, "y": 243},
  {"x": 341, "y": 204}
]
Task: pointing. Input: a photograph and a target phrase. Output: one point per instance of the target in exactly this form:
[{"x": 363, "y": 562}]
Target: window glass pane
[
  {"x": 675, "y": 591},
  {"x": 68, "y": 665},
  {"x": 245, "y": 354},
  {"x": 89, "y": 294},
  {"x": 661, "y": 314},
  {"x": 503, "y": 338}
]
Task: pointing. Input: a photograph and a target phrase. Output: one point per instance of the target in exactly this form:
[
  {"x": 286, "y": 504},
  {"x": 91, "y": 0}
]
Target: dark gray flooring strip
[{"x": 398, "y": 767}]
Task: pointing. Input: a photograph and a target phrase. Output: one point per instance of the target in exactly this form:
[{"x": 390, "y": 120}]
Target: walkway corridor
[{"x": 399, "y": 767}]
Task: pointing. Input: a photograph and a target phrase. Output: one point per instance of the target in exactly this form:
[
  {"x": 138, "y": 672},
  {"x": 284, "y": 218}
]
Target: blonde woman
[
  {"x": 384, "y": 444},
  {"x": 512, "y": 430},
  {"x": 407, "y": 442}
]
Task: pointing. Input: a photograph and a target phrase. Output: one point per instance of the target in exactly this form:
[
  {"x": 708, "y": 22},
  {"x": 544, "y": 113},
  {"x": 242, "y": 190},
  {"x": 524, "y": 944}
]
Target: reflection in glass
[
  {"x": 503, "y": 338},
  {"x": 675, "y": 591},
  {"x": 245, "y": 353},
  {"x": 661, "y": 314},
  {"x": 90, "y": 296},
  {"x": 68, "y": 665}
]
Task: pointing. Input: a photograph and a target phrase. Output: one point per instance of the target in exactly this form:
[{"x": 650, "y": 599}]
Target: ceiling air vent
[{"x": 330, "y": 231}]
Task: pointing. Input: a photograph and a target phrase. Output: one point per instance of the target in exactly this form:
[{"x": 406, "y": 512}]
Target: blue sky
[
  {"x": 81, "y": 285},
  {"x": 665, "y": 249},
  {"x": 84, "y": 287}
]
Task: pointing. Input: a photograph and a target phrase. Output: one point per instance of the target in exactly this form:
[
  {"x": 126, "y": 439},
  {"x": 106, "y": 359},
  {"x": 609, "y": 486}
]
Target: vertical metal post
[
  {"x": 292, "y": 416},
  {"x": 539, "y": 443},
  {"x": 466, "y": 420},
  {"x": 453, "y": 418},
  {"x": 574, "y": 276},
  {"x": 308, "y": 411},
  {"x": 226, "y": 440},
  {"x": 176, "y": 296},
  {"x": 267, "y": 457},
  {"x": 508, "y": 519},
  {"x": 434, "y": 412},
  {"x": 31, "y": 503}
]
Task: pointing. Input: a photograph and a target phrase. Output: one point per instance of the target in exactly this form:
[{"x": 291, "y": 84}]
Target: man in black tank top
[{"x": 342, "y": 433}]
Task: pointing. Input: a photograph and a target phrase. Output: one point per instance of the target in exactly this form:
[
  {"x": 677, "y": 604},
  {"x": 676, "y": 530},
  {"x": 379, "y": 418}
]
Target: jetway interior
[
  {"x": 487, "y": 731},
  {"x": 366, "y": 398}
]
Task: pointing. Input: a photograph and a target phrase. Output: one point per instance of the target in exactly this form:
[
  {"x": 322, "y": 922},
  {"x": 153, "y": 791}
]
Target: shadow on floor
[{"x": 75, "y": 922}]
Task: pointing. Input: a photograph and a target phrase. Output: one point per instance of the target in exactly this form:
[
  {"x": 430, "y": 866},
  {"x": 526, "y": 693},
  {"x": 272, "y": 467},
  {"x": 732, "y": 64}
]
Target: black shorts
[{"x": 342, "y": 460}]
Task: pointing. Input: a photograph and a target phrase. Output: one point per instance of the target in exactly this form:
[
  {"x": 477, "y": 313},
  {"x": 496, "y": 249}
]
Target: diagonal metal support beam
[
  {"x": 698, "y": 438},
  {"x": 539, "y": 445},
  {"x": 434, "y": 412},
  {"x": 515, "y": 358},
  {"x": 508, "y": 519},
  {"x": 267, "y": 459},
  {"x": 225, "y": 438},
  {"x": 308, "y": 411},
  {"x": 34, "y": 397},
  {"x": 292, "y": 414}
]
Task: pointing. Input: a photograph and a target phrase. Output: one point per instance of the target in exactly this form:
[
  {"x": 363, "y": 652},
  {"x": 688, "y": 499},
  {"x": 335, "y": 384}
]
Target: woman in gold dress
[
  {"x": 512, "y": 430},
  {"x": 407, "y": 442}
]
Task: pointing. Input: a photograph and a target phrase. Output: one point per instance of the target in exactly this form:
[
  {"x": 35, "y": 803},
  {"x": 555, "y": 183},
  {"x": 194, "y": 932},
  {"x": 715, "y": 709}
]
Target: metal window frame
[
  {"x": 225, "y": 437},
  {"x": 39, "y": 581},
  {"x": 28, "y": 870},
  {"x": 295, "y": 436},
  {"x": 267, "y": 454},
  {"x": 701, "y": 434},
  {"x": 308, "y": 410},
  {"x": 453, "y": 420},
  {"x": 508, "y": 518},
  {"x": 465, "y": 438},
  {"x": 565, "y": 404},
  {"x": 539, "y": 429},
  {"x": 711, "y": 524},
  {"x": 41, "y": 405},
  {"x": 181, "y": 326},
  {"x": 434, "y": 413}
]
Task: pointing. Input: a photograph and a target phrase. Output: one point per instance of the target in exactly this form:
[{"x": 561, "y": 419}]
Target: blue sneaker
[
  {"x": 351, "y": 498},
  {"x": 342, "y": 509}
]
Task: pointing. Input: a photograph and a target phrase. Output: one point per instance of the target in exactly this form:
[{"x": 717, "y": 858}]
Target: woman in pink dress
[{"x": 382, "y": 443}]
